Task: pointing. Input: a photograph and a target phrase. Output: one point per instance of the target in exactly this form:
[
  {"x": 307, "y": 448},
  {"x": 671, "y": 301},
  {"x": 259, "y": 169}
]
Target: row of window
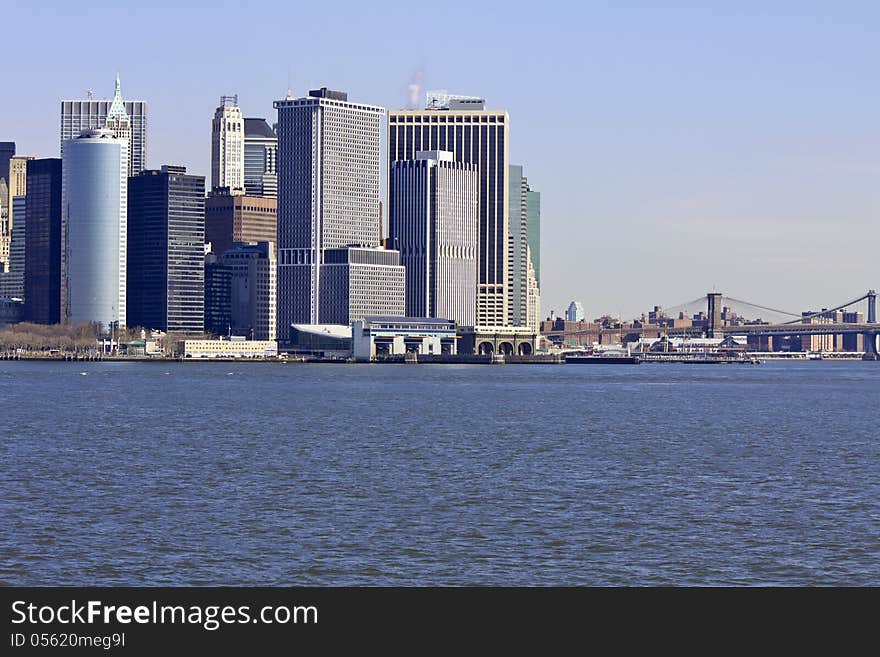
[{"x": 445, "y": 118}]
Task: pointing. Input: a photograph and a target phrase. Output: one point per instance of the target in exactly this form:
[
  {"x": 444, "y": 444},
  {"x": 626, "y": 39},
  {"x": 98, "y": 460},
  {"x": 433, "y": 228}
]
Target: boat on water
[{"x": 603, "y": 359}]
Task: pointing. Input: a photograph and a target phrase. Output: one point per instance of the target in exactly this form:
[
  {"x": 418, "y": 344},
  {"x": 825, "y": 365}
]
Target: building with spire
[
  {"x": 119, "y": 122},
  {"x": 126, "y": 118},
  {"x": 227, "y": 146}
]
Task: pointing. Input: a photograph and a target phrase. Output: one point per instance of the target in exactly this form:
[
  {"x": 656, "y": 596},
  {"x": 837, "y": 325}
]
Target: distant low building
[
  {"x": 230, "y": 348},
  {"x": 503, "y": 340}
]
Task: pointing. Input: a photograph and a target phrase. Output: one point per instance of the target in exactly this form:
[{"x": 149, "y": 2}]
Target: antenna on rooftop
[{"x": 89, "y": 94}]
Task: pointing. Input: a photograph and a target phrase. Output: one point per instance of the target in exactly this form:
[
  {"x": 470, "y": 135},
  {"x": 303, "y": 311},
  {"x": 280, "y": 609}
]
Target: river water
[{"x": 293, "y": 474}]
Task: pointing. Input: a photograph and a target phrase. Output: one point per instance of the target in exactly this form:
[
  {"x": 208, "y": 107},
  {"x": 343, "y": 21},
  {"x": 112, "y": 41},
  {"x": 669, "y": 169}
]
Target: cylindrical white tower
[{"x": 94, "y": 212}]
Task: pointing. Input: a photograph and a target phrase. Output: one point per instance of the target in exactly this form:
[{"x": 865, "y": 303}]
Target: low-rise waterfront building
[
  {"x": 320, "y": 341},
  {"x": 378, "y": 337},
  {"x": 504, "y": 340},
  {"x": 234, "y": 347}
]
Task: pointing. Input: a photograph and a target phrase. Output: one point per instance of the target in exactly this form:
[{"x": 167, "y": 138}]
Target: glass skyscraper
[
  {"x": 166, "y": 253},
  {"x": 42, "y": 265},
  {"x": 260, "y": 159},
  {"x": 94, "y": 230}
]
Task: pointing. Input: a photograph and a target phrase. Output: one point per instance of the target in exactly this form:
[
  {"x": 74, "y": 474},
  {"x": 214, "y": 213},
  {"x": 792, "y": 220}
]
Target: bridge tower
[
  {"x": 713, "y": 314},
  {"x": 871, "y": 336}
]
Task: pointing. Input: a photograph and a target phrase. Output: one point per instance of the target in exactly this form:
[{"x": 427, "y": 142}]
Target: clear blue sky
[{"x": 678, "y": 146}]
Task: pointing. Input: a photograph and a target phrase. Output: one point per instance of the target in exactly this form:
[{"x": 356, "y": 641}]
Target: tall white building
[
  {"x": 89, "y": 114},
  {"x": 227, "y": 146},
  {"x": 533, "y": 300},
  {"x": 434, "y": 213},
  {"x": 480, "y": 137},
  {"x": 329, "y": 167},
  {"x": 94, "y": 202}
]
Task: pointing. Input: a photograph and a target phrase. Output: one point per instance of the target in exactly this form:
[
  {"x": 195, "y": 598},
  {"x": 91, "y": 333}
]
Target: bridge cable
[
  {"x": 828, "y": 311},
  {"x": 754, "y": 305}
]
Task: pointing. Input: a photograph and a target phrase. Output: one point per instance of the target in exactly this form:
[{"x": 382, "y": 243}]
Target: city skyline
[{"x": 770, "y": 150}]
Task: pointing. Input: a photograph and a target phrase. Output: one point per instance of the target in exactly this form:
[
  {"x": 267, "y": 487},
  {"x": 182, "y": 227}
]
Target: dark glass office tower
[
  {"x": 42, "y": 269},
  {"x": 7, "y": 152},
  {"x": 218, "y": 296},
  {"x": 166, "y": 253}
]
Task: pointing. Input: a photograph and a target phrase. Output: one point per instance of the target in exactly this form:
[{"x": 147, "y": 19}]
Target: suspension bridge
[{"x": 722, "y": 318}]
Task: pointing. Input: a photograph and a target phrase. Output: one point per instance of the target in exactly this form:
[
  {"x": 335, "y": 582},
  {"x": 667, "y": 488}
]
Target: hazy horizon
[{"x": 677, "y": 149}]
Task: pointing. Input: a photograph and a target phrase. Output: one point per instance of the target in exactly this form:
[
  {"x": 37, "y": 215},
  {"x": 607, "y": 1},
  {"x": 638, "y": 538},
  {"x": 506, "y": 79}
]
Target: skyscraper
[
  {"x": 79, "y": 115},
  {"x": 476, "y": 136},
  {"x": 236, "y": 218},
  {"x": 227, "y": 146},
  {"x": 575, "y": 312},
  {"x": 533, "y": 232},
  {"x": 16, "y": 185},
  {"x": 94, "y": 230},
  {"x": 433, "y": 219},
  {"x": 7, "y": 152},
  {"x": 524, "y": 244},
  {"x": 119, "y": 122},
  {"x": 42, "y": 266},
  {"x": 166, "y": 253},
  {"x": 328, "y": 194},
  {"x": 252, "y": 289},
  {"x": 260, "y": 158},
  {"x": 5, "y": 211},
  {"x": 17, "y": 181},
  {"x": 357, "y": 282},
  {"x": 12, "y": 280},
  {"x": 533, "y": 219},
  {"x": 518, "y": 242},
  {"x": 218, "y": 292}
]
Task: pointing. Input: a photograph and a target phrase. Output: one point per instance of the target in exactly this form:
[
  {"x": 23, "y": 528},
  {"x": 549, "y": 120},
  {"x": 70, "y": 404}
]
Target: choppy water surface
[{"x": 286, "y": 474}]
